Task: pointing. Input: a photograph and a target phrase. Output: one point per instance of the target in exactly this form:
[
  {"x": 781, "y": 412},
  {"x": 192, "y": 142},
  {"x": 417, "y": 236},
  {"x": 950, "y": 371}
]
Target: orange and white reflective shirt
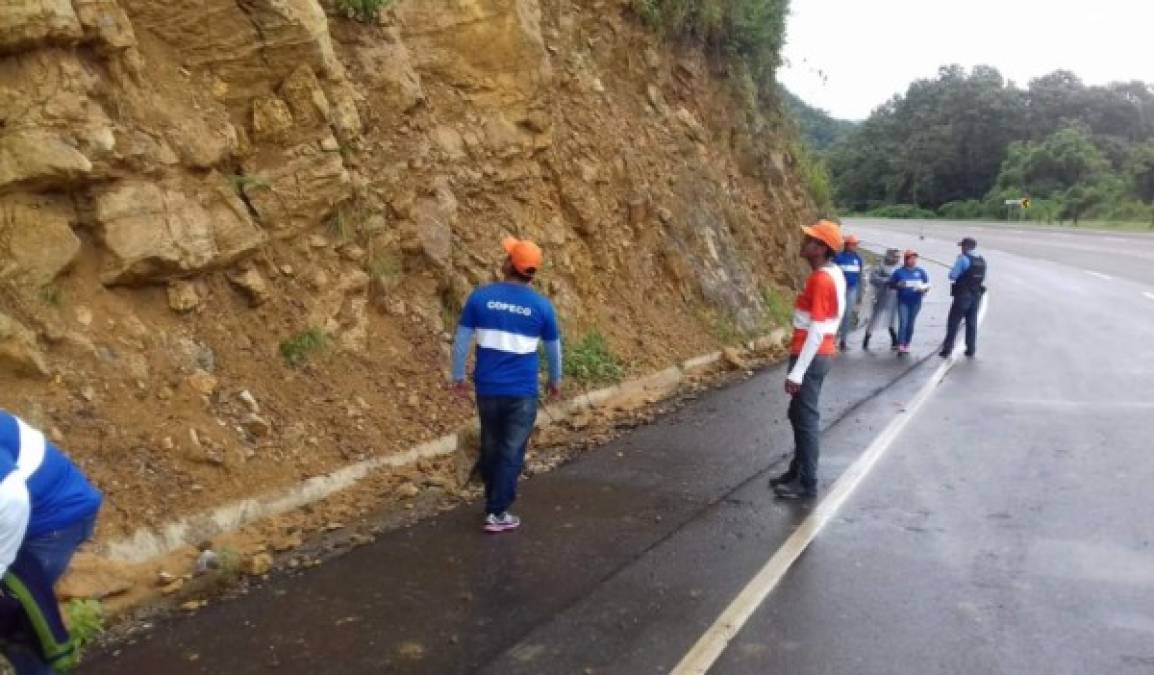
[{"x": 816, "y": 317}]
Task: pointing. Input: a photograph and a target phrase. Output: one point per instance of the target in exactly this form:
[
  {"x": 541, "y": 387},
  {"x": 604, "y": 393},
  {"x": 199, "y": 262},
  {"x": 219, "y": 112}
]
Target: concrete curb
[{"x": 150, "y": 543}]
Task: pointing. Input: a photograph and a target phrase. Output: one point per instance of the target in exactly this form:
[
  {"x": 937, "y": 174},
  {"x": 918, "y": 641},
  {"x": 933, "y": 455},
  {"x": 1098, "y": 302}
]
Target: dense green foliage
[
  {"x": 819, "y": 129},
  {"x": 752, "y": 31},
  {"x": 747, "y": 35},
  {"x": 960, "y": 144},
  {"x": 814, "y": 175}
]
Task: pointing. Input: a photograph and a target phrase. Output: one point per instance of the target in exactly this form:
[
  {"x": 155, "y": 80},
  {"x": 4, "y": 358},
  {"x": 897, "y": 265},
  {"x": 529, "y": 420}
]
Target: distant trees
[
  {"x": 1141, "y": 171},
  {"x": 819, "y": 130},
  {"x": 961, "y": 142}
]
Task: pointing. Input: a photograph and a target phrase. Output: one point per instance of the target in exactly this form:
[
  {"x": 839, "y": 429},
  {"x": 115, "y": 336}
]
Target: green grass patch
[
  {"x": 725, "y": 329},
  {"x": 228, "y": 561},
  {"x": 351, "y": 221},
  {"x": 304, "y": 345},
  {"x": 341, "y": 226},
  {"x": 52, "y": 295},
  {"x": 242, "y": 183},
  {"x": 85, "y": 619},
  {"x": 778, "y": 307},
  {"x": 364, "y": 11},
  {"x": 902, "y": 211},
  {"x": 590, "y": 361},
  {"x": 386, "y": 265}
]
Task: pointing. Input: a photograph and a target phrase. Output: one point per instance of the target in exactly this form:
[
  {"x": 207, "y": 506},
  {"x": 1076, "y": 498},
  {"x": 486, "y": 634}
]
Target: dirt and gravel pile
[{"x": 234, "y": 235}]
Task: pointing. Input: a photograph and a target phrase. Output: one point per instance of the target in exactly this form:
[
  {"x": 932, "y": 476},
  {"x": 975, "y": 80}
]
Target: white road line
[
  {"x": 1099, "y": 275},
  {"x": 712, "y": 644}
]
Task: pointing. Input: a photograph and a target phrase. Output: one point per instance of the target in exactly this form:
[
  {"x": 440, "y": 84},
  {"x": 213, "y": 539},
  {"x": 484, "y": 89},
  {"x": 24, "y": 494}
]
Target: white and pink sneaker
[{"x": 505, "y": 522}]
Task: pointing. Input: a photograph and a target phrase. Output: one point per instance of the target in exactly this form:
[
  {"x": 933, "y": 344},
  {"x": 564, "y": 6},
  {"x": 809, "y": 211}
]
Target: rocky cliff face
[{"x": 234, "y": 233}]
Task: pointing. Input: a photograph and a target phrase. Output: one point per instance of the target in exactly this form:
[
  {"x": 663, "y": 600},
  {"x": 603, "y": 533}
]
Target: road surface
[{"x": 1008, "y": 527}]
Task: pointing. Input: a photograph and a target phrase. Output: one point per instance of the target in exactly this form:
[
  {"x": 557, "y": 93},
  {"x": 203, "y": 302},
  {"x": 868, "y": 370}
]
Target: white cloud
[{"x": 849, "y": 56}]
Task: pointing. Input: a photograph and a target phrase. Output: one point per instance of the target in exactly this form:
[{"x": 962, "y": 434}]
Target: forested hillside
[
  {"x": 819, "y": 129},
  {"x": 961, "y": 143}
]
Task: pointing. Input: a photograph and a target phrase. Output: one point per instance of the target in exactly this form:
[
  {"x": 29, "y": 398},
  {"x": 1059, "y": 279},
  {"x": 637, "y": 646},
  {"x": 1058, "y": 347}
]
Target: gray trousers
[{"x": 805, "y": 416}]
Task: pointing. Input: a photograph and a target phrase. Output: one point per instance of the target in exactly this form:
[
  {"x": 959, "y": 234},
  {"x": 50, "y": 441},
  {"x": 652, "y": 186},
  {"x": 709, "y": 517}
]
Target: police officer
[{"x": 968, "y": 278}]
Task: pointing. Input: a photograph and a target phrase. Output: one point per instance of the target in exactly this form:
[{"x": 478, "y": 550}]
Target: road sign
[
  {"x": 1026, "y": 203},
  {"x": 1023, "y": 202}
]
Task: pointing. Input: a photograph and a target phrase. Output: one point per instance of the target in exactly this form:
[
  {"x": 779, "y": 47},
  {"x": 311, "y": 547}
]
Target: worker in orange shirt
[{"x": 817, "y": 315}]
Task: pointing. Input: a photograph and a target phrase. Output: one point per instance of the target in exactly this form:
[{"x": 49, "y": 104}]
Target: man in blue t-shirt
[
  {"x": 510, "y": 320},
  {"x": 850, "y": 263},
  {"x": 47, "y": 510}
]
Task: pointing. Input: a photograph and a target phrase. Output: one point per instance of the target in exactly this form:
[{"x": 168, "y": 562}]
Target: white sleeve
[
  {"x": 808, "y": 350},
  {"x": 15, "y": 510}
]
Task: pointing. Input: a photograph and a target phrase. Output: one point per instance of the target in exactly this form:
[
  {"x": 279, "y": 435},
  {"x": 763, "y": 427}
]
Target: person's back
[
  {"x": 58, "y": 493},
  {"x": 47, "y": 509},
  {"x": 851, "y": 267},
  {"x": 973, "y": 278},
  {"x": 510, "y": 321}
]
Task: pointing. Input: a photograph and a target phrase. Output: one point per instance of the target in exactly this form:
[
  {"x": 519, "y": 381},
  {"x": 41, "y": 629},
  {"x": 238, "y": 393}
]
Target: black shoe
[
  {"x": 794, "y": 491},
  {"x": 843, "y": 346},
  {"x": 865, "y": 343},
  {"x": 781, "y": 480},
  {"x": 970, "y": 355},
  {"x": 944, "y": 354}
]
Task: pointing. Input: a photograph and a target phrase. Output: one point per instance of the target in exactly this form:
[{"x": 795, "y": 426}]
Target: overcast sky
[{"x": 849, "y": 56}]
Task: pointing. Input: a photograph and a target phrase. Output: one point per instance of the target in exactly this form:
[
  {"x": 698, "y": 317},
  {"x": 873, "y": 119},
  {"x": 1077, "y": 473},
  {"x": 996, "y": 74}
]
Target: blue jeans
[
  {"x": 907, "y": 315},
  {"x": 805, "y": 416},
  {"x": 53, "y": 550},
  {"x": 506, "y": 423},
  {"x": 851, "y": 296}
]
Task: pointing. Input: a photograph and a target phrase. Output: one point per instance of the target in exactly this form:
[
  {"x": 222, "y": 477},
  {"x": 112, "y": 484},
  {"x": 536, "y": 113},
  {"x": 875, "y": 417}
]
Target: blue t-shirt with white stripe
[
  {"x": 851, "y": 265},
  {"x": 509, "y": 321},
  {"x": 59, "y": 494}
]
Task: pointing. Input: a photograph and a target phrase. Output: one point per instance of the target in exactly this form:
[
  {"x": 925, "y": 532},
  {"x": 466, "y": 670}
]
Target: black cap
[{"x": 968, "y": 242}]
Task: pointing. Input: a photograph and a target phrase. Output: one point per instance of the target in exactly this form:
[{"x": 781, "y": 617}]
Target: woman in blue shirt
[{"x": 912, "y": 283}]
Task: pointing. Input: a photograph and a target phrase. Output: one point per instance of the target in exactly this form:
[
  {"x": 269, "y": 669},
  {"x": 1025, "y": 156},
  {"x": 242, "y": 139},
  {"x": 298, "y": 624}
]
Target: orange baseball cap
[
  {"x": 524, "y": 254},
  {"x": 852, "y": 240},
  {"x": 827, "y": 232}
]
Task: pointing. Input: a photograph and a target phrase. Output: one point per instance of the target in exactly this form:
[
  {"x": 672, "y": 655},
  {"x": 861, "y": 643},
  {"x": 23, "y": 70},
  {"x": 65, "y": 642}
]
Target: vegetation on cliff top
[{"x": 752, "y": 31}]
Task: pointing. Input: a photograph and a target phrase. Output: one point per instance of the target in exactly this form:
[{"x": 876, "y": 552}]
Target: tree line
[{"x": 959, "y": 144}]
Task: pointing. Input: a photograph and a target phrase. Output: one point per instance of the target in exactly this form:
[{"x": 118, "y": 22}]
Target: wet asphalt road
[
  {"x": 1124, "y": 255},
  {"x": 1010, "y": 529}
]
